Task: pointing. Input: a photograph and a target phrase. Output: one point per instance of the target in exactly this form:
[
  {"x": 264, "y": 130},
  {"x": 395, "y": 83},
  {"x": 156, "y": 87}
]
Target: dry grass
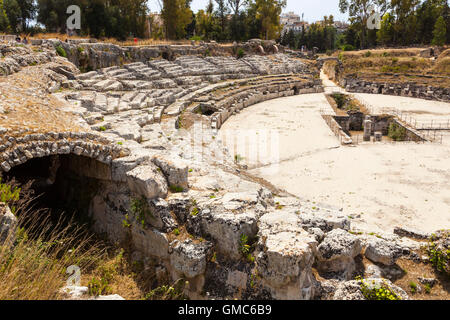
[
  {"x": 127, "y": 43},
  {"x": 35, "y": 267},
  {"x": 443, "y": 65},
  {"x": 397, "y": 65}
]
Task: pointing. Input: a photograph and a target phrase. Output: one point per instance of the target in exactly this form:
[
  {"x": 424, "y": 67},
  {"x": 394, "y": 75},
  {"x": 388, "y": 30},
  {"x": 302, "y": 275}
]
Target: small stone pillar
[
  {"x": 378, "y": 136},
  {"x": 367, "y": 128}
]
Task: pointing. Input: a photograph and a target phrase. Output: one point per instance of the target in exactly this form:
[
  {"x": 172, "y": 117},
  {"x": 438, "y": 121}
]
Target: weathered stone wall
[
  {"x": 89, "y": 56},
  {"x": 18, "y": 150},
  {"x": 396, "y": 89}
]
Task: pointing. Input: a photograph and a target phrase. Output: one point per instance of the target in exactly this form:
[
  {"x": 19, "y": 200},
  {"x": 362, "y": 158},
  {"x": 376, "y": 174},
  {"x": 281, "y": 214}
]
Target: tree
[
  {"x": 238, "y": 28},
  {"x": 177, "y": 15},
  {"x": 205, "y": 21},
  {"x": 28, "y": 10},
  {"x": 439, "y": 32},
  {"x": 385, "y": 34},
  {"x": 4, "y": 22},
  {"x": 360, "y": 12},
  {"x": 222, "y": 12},
  {"x": 268, "y": 13},
  {"x": 235, "y": 6},
  {"x": 13, "y": 12}
]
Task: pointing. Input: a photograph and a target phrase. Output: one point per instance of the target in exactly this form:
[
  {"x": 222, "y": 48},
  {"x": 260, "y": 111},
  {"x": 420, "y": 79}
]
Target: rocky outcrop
[
  {"x": 396, "y": 89},
  {"x": 8, "y": 225},
  {"x": 337, "y": 252},
  {"x": 188, "y": 259},
  {"x": 351, "y": 290},
  {"x": 147, "y": 181},
  {"x": 286, "y": 255},
  {"x": 382, "y": 251}
]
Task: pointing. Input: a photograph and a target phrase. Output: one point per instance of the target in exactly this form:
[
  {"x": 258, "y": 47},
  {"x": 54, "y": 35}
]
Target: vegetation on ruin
[
  {"x": 371, "y": 291},
  {"x": 439, "y": 255},
  {"x": 9, "y": 195},
  {"x": 169, "y": 292},
  {"x": 340, "y": 100},
  {"x": 245, "y": 248},
  {"x": 140, "y": 209},
  {"x": 60, "y": 50},
  {"x": 396, "y": 132}
]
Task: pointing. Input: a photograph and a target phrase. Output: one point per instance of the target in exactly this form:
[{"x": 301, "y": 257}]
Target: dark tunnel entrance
[{"x": 64, "y": 184}]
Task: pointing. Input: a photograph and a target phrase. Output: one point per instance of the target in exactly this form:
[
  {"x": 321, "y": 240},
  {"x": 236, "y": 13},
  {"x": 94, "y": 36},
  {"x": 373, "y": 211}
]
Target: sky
[{"x": 313, "y": 10}]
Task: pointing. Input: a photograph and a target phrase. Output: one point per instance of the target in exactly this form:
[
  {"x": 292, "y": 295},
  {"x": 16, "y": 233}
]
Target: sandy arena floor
[{"x": 379, "y": 186}]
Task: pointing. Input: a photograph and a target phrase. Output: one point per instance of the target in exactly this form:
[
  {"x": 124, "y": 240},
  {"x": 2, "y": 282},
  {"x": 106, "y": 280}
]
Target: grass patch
[{"x": 61, "y": 52}]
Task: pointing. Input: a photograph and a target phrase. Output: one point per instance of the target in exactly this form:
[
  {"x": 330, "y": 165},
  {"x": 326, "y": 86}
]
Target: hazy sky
[{"x": 313, "y": 10}]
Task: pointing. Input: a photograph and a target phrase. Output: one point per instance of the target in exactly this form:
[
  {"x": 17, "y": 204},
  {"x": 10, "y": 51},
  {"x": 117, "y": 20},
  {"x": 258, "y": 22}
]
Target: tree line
[
  {"x": 222, "y": 20},
  {"x": 100, "y": 18},
  {"x": 403, "y": 22}
]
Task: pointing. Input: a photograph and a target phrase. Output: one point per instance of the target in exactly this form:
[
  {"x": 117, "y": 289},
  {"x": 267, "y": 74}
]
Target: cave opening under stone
[{"x": 62, "y": 185}]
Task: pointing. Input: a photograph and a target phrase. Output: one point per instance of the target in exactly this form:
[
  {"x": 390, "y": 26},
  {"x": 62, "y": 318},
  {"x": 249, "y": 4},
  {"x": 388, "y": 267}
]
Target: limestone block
[
  {"x": 337, "y": 251},
  {"x": 382, "y": 251},
  {"x": 226, "y": 228},
  {"x": 324, "y": 220},
  {"x": 189, "y": 259},
  {"x": 286, "y": 256},
  {"x": 174, "y": 168},
  {"x": 148, "y": 181},
  {"x": 150, "y": 241}
]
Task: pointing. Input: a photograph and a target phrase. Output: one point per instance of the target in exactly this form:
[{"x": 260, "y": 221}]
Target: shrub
[
  {"x": 240, "y": 53},
  {"x": 373, "y": 292},
  {"x": 9, "y": 195},
  {"x": 367, "y": 54},
  {"x": 139, "y": 207},
  {"x": 396, "y": 132},
  {"x": 60, "y": 50},
  {"x": 238, "y": 158},
  {"x": 97, "y": 287},
  {"x": 348, "y": 47},
  {"x": 413, "y": 287},
  {"x": 176, "y": 189},
  {"x": 196, "y": 38},
  {"x": 194, "y": 212},
  {"x": 340, "y": 100},
  {"x": 244, "y": 247},
  {"x": 439, "y": 258}
]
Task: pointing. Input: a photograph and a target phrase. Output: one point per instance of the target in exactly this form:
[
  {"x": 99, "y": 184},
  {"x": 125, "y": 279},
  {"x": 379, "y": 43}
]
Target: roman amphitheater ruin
[{"x": 225, "y": 149}]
